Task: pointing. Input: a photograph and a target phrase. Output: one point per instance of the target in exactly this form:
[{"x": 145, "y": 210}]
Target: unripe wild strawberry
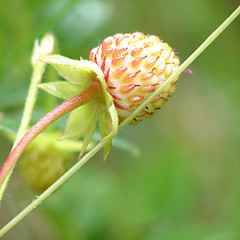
[
  {"x": 44, "y": 162},
  {"x": 134, "y": 66}
]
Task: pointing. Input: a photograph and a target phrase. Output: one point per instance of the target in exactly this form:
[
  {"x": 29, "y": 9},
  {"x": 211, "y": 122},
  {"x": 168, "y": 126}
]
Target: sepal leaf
[
  {"x": 63, "y": 90},
  {"x": 43, "y": 49},
  {"x": 79, "y": 121},
  {"x": 114, "y": 121},
  {"x": 107, "y": 130},
  {"x": 74, "y": 71},
  {"x": 83, "y": 120},
  {"x": 89, "y": 134}
]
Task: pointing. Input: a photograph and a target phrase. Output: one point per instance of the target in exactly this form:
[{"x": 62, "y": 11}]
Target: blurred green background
[{"x": 185, "y": 183}]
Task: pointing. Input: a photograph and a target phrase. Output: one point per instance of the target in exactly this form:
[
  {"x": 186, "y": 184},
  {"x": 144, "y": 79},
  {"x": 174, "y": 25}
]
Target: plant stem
[
  {"x": 183, "y": 66},
  {"x": 39, "y": 50},
  {"x": 99, "y": 146},
  {"x": 87, "y": 95},
  {"x": 38, "y": 70},
  {"x": 30, "y": 101}
]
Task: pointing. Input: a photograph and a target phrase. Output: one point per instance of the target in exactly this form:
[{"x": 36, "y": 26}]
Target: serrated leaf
[{"x": 63, "y": 90}]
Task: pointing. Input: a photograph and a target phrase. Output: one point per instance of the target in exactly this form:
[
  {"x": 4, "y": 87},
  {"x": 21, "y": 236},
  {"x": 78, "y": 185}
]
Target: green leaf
[{"x": 64, "y": 90}]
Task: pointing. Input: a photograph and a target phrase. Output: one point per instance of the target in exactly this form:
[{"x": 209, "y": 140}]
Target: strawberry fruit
[{"x": 134, "y": 66}]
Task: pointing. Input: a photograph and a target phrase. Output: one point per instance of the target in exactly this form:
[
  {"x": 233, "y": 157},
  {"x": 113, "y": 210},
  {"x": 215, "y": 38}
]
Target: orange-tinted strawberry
[{"x": 134, "y": 66}]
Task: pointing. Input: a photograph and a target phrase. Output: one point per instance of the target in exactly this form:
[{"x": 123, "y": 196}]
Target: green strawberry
[
  {"x": 134, "y": 66},
  {"x": 45, "y": 160}
]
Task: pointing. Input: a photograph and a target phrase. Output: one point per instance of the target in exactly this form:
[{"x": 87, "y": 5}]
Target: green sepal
[
  {"x": 105, "y": 127},
  {"x": 43, "y": 48},
  {"x": 63, "y": 90},
  {"x": 89, "y": 134},
  {"x": 74, "y": 71},
  {"x": 108, "y": 122},
  {"x": 82, "y": 121},
  {"x": 114, "y": 122},
  {"x": 79, "y": 121}
]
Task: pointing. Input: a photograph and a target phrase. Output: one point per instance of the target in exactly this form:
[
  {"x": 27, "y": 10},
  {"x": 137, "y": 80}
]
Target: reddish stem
[{"x": 87, "y": 95}]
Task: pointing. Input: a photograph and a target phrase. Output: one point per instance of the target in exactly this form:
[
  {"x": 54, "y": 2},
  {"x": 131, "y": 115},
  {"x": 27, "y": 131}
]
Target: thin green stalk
[
  {"x": 38, "y": 70},
  {"x": 99, "y": 146},
  {"x": 183, "y": 66},
  {"x": 39, "y": 51}
]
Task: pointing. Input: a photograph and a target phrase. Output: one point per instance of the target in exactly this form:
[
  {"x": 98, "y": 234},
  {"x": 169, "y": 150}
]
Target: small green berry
[{"x": 43, "y": 163}]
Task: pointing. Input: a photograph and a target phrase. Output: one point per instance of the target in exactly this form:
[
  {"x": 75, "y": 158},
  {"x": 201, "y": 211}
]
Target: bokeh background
[{"x": 184, "y": 185}]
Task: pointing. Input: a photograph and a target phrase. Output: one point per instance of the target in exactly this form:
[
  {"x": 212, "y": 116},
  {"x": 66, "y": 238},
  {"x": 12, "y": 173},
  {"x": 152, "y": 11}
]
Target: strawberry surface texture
[{"x": 134, "y": 66}]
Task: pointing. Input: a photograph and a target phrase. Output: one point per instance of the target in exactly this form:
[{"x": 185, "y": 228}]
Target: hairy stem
[
  {"x": 30, "y": 101},
  {"x": 89, "y": 94},
  {"x": 39, "y": 50},
  {"x": 38, "y": 70}
]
